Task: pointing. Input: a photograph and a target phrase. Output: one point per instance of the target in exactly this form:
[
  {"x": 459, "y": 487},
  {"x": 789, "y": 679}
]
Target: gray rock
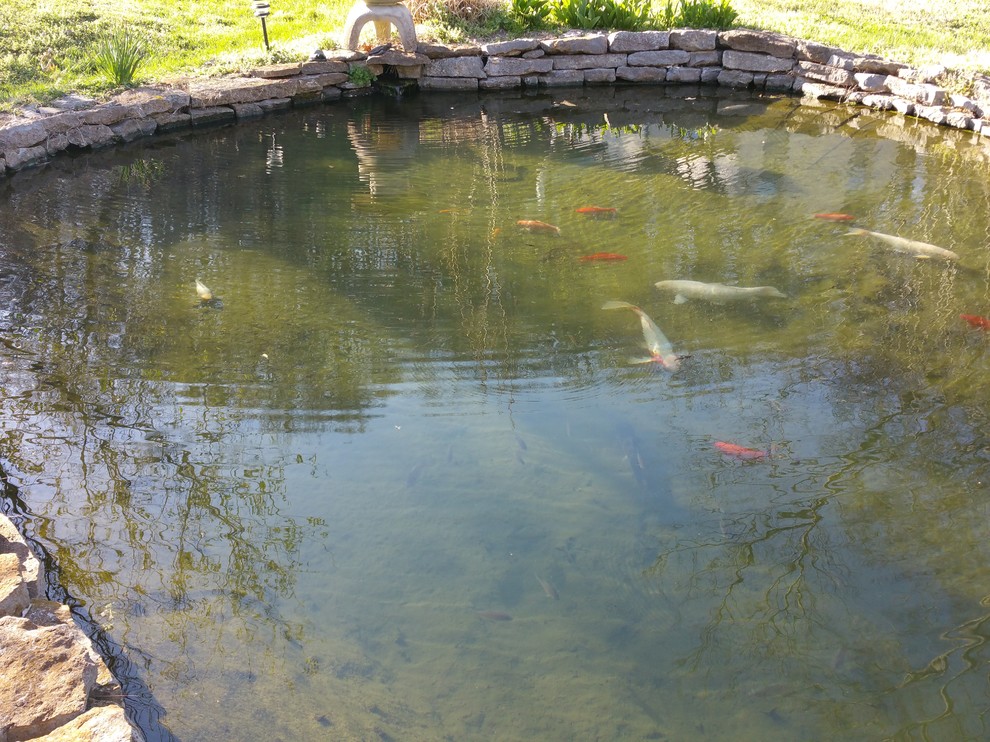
[
  {"x": 274, "y": 71},
  {"x": 824, "y": 73},
  {"x": 248, "y": 111},
  {"x": 591, "y": 61},
  {"x": 100, "y": 724},
  {"x": 810, "y": 51},
  {"x": 74, "y": 102},
  {"x": 22, "y": 157},
  {"x": 668, "y": 58},
  {"x": 981, "y": 90},
  {"x": 638, "y": 41},
  {"x": 590, "y": 44},
  {"x": 14, "y": 598},
  {"x": 925, "y": 94},
  {"x": 506, "y": 82},
  {"x": 456, "y": 67},
  {"x": 46, "y": 674},
  {"x": 693, "y": 40},
  {"x": 496, "y": 66},
  {"x": 112, "y": 113},
  {"x": 327, "y": 79},
  {"x": 641, "y": 74},
  {"x": 599, "y": 76},
  {"x": 960, "y": 120},
  {"x": 902, "y": 106},
  {"x": 735, "y": 78},
  {"x": 705, "y": 59},
  {"x": 511, "y": 48},
  {"x": 562, "y": 78},
  {"x": 56, "y": 143},
  {"x": 23, "y": 134},
  {"x": 877, "y": 65},
  {"x": 172, "y": 121},
  {"x": 324, "y": 67},
  {"x": 935, "y": 114},
  {"x": 684, "y": 74},
  {"x": 709, "y": 75},
  {"x": 779, "y": 83},
  {"x": 744, "y": 40},
  {"x": 871, "y": 83},
  {"x": 442, "y": 51},
  {"x": 211, "y": 115},
  {"x": 812, "y": 89},
  {"x": 448, "y": 83},
  {"x": 753, "y": 62},
  {"x": 12, "y": 542},
  {"x": 61, "y": 122},
  {"x": 131, "y": 129},
  {"x": 94, "y": 135}
]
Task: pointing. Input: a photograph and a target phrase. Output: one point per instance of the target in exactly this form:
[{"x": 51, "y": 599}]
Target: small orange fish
[
  {"x": 496, "y": 232},
  {"x": 597, "y": 210},
  {"x": 836, "y": 217},
  {"x": 740, "y": 452},
  {"x": 976, "y": 320},
  {"x": 602, "y": 256},
  {"x": 534, "y": 226}
]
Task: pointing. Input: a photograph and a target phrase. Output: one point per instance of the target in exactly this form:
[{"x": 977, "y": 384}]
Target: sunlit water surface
[{"x": 399, "y": 480}]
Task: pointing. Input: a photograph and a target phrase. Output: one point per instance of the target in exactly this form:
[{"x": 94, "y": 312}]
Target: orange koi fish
[
  {"x": 976, "y": 320},
  {"x": 534, "y": 226},
  {"x": 835, "y": 217},
  {"x": 602, "y": 256},
  {"x": 597, "y": 210},
  {"x": 740, "y": 452}
]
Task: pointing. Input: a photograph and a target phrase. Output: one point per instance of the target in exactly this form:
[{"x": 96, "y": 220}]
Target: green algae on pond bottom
[{"x": 408, "y": 413}]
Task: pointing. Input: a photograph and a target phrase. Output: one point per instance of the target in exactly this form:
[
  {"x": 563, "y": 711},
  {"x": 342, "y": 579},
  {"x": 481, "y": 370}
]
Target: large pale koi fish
[
  {"x": 921, "y": 250},
  {"x": 661, "y": 351},
  {"x": 203, "y": 291},
  {"x": 716, "y": 292},
  {"x": 532, "y": 225}
]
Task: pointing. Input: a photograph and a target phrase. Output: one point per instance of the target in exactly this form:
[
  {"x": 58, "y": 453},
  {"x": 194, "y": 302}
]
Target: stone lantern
[{"x": 384, "y": 14}]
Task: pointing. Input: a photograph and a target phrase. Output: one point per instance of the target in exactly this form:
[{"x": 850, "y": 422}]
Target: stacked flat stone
[
  {"x": 737, "y": 59},
  {"x": 53, "y": 684}
]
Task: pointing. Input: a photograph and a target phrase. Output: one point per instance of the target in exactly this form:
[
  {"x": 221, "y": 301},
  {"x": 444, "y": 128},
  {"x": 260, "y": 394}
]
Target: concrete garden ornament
[{"x": 384, "y": 14}]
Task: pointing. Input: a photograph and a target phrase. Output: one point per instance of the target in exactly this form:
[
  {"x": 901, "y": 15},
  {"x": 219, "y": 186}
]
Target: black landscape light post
[{"x": 261, "y": 10}]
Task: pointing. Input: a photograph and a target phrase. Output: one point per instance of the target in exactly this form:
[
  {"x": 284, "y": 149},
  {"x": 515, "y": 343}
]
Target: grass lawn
[{"x": 47, "y": 46}]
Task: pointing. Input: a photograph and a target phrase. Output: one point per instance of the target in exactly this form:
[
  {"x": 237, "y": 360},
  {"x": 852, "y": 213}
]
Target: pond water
[{"x": 399, "y": 477}]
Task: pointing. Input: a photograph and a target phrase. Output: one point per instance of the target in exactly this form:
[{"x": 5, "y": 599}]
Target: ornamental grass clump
[
  {"x": 118, "y": 56},
  {"x": 701, "y": 14},
  {"x": 628, "y": 15}
]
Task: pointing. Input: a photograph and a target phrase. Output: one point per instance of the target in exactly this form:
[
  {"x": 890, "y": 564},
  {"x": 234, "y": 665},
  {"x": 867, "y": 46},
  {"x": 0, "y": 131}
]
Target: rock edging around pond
[
  {"x": 739, "y": 58},
  {"x": 53, "y": 684}
]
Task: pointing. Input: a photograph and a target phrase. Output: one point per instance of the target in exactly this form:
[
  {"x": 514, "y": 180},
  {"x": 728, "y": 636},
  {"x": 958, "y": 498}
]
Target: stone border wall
[
  {"x": 54, "y": 686},
  {"x": 736, "y": 59}
]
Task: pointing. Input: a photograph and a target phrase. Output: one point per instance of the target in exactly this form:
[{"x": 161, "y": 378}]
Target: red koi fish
[
  {"x": 534, "y": 226},
  {"x": 597, "y": 210},
  {"x": 976, "y": 320},
  {"x": 836, "y": 217},
  {"x": 602, "y": 256},
  {"x": 740, "y": 452}
]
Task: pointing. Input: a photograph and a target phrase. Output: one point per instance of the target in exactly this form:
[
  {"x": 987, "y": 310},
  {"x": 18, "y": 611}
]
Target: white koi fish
[
  {"x": 203, "y": 291},
  {"x": 661, "y": 351},
  {"x": 716, "y": 292},
  {"x": 921, "y": 250}
]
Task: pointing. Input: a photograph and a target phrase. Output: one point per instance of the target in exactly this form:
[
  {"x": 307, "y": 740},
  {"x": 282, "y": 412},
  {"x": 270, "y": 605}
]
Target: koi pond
[{"x": 391, "y": 471}]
